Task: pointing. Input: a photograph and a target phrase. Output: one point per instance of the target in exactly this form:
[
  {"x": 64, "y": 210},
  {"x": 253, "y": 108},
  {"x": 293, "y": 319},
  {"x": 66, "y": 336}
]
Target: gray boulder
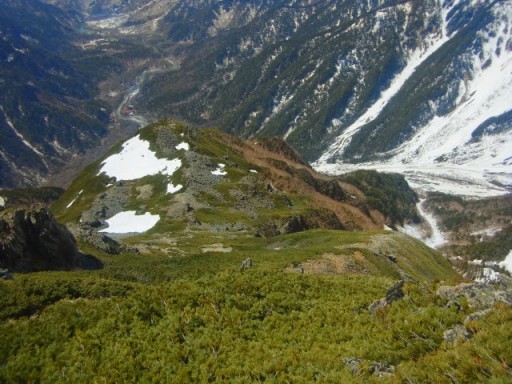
[
  {"x": 457, "y": 334},
  {"x": 246, "y": 264}
]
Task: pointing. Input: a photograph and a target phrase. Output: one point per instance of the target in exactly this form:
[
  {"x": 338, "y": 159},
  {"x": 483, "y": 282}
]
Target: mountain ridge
[{"x": 178, "y": 191}]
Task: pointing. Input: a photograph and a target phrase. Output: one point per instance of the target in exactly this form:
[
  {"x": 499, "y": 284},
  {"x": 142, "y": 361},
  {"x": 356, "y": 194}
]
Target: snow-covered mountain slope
[
  {"x": 414, "y": 85},
  {"x": 462, "y": 145}
]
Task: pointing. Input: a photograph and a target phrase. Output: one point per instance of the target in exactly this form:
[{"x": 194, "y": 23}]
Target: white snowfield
[
  {"x": 130, "y": 222},
  {"x": 448, "y": 178},
  {"x": 489, "y": 275},
  {"x": 470, "y": 168},
  {"x": 136, "y": 160}
]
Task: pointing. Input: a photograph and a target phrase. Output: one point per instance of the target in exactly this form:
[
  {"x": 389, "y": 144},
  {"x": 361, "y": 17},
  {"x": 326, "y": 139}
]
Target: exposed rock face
[
  {"x": 479, "y": 296},
  {"x": 278, "y": 145},
  {"x": 395, "y": 293},
  {"x": 32, "y": 240}
]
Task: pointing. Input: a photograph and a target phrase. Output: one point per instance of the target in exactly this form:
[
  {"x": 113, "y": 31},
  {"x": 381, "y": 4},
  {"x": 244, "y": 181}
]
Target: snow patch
[
  {"x": 2, "y": 202},
  {"x": 223, "y": 20},
  {"x": 136, "y": 160},
  {"x": 253, "y": 171},
  {"x": 435, "y": 238},
  {"x": 73, "y": 201},
  {"x": 171, "y": 188},
  {"x": 183, "y": 145},
  {"x": 488, "y": 232},
  {"x": 55, "y": 144},
  {"x": 130, "y": 222},
  {"x": 489, "y": 275},
  {"x": 220, "y": 170},
  {"x": 507, "y": 263},
  {"x": 109, "y": 23},
  {"x": 20, "y": 136}
]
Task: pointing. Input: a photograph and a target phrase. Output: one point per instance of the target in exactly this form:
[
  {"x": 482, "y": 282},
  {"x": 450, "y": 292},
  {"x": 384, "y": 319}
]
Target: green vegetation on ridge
[{"x": 199, "y": 318}]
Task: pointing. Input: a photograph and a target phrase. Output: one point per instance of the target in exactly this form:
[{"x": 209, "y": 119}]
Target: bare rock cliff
[{"x": 32, "y": 240}]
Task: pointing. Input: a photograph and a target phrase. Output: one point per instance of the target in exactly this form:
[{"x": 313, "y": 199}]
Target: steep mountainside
[
  {"x": 199, "y": 293},
  {"x": 343, "y": 82},
  {"x": 48, "y": 113}
]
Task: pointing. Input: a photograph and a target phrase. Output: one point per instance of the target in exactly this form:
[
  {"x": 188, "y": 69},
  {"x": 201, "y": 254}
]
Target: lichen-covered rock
[
  {"x": 32, "y": 240},
  {"x": 358, "y": 366},
  {"x": 246, "y": 264},
  {"x": 457, "y": 334},
  {"x": 479, "y": 296}
]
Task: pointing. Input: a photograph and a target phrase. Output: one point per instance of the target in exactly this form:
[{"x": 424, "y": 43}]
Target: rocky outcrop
[
  {"x": 393, "y": 294},
  {"x": 480, "y": 297},
  {"x": 312, "y": 220},
  {"x": 32, "y": 240},
  {"x": 457, "y": 334},
  {"x": 330, "y": 188},
  {"x": 358, "y": 366}
]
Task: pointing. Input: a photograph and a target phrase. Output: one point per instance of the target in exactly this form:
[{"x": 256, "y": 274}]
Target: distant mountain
[
  {"x": 48, "y": 110},
  {"x": 410, "y": 85}
]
